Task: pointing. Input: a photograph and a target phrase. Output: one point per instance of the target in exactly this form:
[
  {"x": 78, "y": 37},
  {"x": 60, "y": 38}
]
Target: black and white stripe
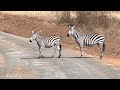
[
  {"x": 46, "y": 42},
  {"x": 87, "y": 40},
  {"x": 91, "y": 40}
]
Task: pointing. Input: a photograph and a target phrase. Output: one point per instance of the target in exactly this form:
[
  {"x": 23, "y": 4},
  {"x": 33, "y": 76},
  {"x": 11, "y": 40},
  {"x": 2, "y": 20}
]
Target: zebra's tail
[
  {"x": 103, "y": 47},
  {"x": 60, "y": 47}
]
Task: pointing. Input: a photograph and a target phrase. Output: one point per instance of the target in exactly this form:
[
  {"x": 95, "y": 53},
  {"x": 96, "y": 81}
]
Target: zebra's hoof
[
  {"x": 41, "y": 57},
  {"x": 101, "y": 57},
  {"x": 52, "y": 56},
  {"x": 59, "y": 56},
  {"x": 81, "y": 56}
]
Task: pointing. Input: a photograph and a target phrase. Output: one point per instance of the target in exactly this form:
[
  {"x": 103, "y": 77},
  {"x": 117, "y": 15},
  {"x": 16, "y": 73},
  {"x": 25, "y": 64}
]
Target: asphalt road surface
[{"x": 21, "y": 61}]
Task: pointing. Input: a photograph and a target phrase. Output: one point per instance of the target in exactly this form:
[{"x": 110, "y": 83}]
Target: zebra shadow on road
[
  {"x": 53, "y": 57},
  {"x": 76, "y": 57}
]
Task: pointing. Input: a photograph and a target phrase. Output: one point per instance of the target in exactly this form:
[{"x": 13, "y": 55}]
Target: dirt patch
[
  {"x": 2, "y": 61},
  {"x": 112, "y": 61},
  {"x": 23, "y": 25}
]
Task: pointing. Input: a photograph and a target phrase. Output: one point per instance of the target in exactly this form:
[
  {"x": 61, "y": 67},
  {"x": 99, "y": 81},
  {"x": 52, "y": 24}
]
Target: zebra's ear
[
  {"x": 69, "y": 26},
  {"x": 33, "y": 32},
  {"x": 73, "y": 27}
]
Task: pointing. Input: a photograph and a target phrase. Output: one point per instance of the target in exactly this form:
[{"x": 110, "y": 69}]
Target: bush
[
  {"x": 93, "y": 19},
  {"x": 63, "y": 16}
]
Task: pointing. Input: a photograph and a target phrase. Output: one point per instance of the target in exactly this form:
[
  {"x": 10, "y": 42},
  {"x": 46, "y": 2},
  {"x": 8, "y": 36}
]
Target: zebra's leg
[
  {"x": 101, "y": 50},
  {"x": 81, "y": 49},
  {"x": 40, "y": 53},
  {"x": 54, "y": 51},
  {"x": 59, "y": 48}
]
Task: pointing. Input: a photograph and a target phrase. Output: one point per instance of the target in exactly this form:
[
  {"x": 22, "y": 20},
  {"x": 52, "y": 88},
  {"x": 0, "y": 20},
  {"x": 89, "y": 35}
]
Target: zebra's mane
[
  {"x": 77, "y": 31},
  {"x": 39, "y": 36}
]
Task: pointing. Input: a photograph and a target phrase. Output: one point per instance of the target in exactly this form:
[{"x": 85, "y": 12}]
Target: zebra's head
[
  {"x": 33, "y": 37},
  {"x": 71, "y": 29}
]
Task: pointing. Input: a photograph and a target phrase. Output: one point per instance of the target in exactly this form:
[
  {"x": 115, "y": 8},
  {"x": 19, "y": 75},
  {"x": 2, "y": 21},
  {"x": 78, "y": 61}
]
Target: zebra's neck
[
  {"x": 39, "y": 39},
  {"x": 76, "y": 34}
]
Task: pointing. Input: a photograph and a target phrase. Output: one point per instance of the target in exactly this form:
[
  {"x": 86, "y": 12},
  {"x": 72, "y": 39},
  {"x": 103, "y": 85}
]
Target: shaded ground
[{"x": 22, "y": 26}]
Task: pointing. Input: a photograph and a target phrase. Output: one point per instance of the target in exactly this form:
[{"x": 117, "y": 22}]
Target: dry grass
[{"x": 43, "y": 15}]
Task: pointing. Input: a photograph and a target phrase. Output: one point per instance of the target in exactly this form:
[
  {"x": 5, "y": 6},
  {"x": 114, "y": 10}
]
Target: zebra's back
[
  {"x": 91, "y": 40},
  {"x": 50, "y": 41}
]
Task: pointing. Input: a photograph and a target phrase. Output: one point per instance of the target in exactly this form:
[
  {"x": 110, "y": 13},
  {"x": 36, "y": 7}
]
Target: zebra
[
  {"x": 87, "y": 40},
  {"x": 46, "y": 42}
]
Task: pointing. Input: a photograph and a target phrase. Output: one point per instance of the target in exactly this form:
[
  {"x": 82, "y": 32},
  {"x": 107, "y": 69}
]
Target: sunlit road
[{"x": 21, "y": 62}]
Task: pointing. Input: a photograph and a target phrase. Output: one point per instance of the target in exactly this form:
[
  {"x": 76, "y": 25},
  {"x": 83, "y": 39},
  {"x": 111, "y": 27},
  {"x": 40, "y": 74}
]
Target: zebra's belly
[
  {"x": 47, "y": 46},
  {"x": 89, "y": 45}
]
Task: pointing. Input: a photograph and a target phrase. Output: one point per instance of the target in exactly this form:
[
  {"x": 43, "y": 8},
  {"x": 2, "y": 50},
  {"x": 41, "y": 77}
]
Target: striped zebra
[
  {"x": 87, "y": 40},
  {"x": 46, "y": 42}
]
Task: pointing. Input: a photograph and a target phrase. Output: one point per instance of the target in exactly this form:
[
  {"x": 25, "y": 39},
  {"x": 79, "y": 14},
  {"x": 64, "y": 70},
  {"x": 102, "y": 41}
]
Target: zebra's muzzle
[
  {"x": 30, "y": 40},
  {"x": 68, "y": 35}
]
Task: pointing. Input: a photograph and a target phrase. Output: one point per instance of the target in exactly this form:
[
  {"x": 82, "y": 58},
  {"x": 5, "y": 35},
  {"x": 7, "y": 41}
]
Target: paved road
[{"x": 21, "y": 62}]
